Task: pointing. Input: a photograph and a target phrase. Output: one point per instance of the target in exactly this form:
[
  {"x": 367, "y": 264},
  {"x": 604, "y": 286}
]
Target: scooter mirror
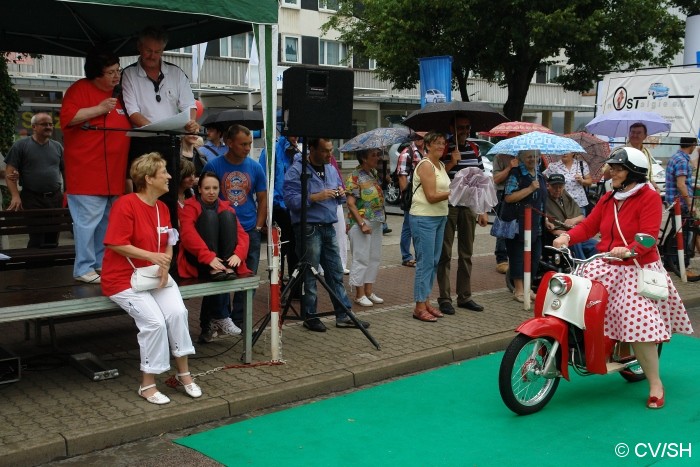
[{"x": 646, "y": 240}]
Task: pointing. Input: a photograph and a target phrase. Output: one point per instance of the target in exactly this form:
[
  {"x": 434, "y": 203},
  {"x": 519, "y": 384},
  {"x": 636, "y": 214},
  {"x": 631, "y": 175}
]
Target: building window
[
  {"x": 553, "y": 72},
  {"x": 237, "y": 46},
  {"x": 291, "y": 3},
  {"x": 291, "y": 52},
  {"x": 361, "y": 62},
  {"x": 182, "y": 50},
  {"x": 328, "y": 5},
  {"x": 331, "y": 53}
]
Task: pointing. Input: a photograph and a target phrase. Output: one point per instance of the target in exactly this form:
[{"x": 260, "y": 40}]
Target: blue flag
[{"x": 435, "y": 80}]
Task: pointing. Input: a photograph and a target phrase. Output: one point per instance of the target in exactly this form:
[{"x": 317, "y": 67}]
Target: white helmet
[{"x": 631, "y": 159}]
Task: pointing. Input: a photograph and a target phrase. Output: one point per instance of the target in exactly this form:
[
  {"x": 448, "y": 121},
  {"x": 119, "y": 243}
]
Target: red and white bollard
[
  {"x": 275, "y": 305},
  {"x": 527, "y": 258},
  {"x": 679, "y": 239}
]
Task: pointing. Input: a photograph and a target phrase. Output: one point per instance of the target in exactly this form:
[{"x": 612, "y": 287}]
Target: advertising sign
[
  {"x": 435, "y": 80},
  {"x": 673, "y": 94}
]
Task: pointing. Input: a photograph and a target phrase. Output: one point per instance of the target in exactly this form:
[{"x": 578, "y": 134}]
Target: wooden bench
[
  {"x": 51, "y": 294},
  {"x": 36, "y": 221}
]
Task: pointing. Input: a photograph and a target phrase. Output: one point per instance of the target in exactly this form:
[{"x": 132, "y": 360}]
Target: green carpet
[{"x": 454, "y": 416}]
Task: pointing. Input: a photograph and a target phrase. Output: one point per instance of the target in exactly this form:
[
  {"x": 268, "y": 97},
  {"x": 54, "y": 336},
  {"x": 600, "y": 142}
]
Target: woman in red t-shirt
[{"x": 140, "y": 234}]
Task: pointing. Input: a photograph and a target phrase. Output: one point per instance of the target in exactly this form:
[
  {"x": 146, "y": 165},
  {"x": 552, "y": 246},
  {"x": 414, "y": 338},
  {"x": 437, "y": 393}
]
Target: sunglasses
[{"x": 156, "y": 85}]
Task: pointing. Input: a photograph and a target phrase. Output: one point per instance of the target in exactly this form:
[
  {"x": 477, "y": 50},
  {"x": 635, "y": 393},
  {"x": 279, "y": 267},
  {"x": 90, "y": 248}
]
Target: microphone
[{"x": 117, "y": 91}]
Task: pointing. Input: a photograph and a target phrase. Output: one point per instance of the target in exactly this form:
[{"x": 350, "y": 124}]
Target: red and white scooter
[{"x": 567, "y": 331}]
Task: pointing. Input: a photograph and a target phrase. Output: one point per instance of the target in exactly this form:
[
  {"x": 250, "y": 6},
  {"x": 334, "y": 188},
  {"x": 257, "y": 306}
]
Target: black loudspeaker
[{"x": 317, "y": 102}]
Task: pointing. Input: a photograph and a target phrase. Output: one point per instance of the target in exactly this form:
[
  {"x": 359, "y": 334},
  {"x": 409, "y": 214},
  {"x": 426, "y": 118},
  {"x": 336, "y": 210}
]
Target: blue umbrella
[
  {"x": 378, "y": 138},
  {"x": 618, "y": 123},
  {"x": 544, "y": 142}
]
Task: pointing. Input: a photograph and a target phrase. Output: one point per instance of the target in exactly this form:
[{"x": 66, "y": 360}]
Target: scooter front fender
[{"x": 555, "y": 328}]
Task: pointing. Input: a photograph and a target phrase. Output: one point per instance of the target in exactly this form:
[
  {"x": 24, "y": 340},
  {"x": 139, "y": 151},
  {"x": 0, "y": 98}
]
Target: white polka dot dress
[{"x": 629, "y": 317}]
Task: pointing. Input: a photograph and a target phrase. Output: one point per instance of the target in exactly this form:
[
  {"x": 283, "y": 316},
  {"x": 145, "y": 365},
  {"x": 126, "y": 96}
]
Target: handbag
[
  {"x": 650, "y": 284},
  {"x": 504, "y": 229},
  {"x": 148, "y": 277}
]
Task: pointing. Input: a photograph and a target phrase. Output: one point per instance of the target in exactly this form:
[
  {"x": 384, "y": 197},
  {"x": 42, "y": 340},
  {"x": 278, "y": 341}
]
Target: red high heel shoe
[{"x": 656, "y": 402}]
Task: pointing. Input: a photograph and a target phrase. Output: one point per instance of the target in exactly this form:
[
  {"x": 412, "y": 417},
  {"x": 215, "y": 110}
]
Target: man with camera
[{"x": 318, "y": 244}]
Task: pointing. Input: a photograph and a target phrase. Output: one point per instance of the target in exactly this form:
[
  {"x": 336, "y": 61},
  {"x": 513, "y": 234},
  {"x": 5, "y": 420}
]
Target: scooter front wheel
[{"x": 523, "y": 388}]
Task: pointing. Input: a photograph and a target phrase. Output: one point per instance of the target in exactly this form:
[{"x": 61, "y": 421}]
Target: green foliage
[
  {"x": 508, "y": 40},
  {"x": 9, "y": 104}
]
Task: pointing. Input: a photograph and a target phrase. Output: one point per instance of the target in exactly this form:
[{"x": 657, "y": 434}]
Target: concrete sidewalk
[{"x": 55, "y": 411}]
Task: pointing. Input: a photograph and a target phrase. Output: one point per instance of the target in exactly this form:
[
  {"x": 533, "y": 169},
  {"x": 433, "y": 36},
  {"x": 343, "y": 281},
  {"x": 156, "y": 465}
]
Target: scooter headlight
[{"x": 560, "y": 284}]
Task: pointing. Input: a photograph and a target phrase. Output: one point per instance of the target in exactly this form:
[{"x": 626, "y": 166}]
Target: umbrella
[
  {"x": 252, "y": 119},
  {"x": 378, "y": 138},
  {"x": 60, "y": 27},
  {"x": 596, "y": 152},
  {"x": 618, "y": 123},
  {"x": 473, "y": 189},
  {"x": 544, "y": 142},
  {"x": 440, "y": 116},
  {"x": 505, "y": 129}
]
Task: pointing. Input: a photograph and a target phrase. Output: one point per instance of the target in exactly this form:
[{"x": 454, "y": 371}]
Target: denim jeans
[
  {"x": 427, "y": 233},
  {"x": 321, "y": 248},
  {"x": 252, "y": 261},
  {"x": 405, "y": 245},
  {"x": 90, "y": 215}
]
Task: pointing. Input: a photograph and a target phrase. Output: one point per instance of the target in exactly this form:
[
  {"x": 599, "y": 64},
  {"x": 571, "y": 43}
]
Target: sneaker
[
  {"x": 207, "y": 336},
  {"x": 374, "y": 299},
  {"x": 348, "y": 323},
  {"x": 502, "y": 268},
  {"x": 226, "y": 326},
  {"x": 364, "y": 301},
  {"x": 314, "y": 324},
  {"x": 346, "y": 271},
  {"x": 89, "y": 278}
]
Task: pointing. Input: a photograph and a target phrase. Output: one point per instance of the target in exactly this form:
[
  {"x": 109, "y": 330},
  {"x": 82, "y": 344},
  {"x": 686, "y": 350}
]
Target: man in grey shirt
[{"x": 39, "y": 161}]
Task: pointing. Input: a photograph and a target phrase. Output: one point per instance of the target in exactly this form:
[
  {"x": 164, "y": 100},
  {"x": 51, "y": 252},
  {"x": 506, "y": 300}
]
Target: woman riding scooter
[{"x": 632, "y": 207}]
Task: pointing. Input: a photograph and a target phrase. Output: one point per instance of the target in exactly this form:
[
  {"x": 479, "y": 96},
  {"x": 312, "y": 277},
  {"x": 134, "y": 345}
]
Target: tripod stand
[{"x": 304, "y": 267}]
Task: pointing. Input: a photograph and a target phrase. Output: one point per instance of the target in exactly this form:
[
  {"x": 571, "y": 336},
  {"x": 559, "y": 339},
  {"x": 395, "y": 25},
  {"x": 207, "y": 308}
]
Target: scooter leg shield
[{"x": 549, "y": 327}]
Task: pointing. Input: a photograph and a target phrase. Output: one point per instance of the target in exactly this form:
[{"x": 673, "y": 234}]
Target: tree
[
  {"x": 506, "y": 41},
  {"x": 9, "y": 104}
]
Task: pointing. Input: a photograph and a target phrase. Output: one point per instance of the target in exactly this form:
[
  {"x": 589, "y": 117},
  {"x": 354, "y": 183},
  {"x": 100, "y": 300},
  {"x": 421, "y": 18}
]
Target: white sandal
[
  {"x": 158, "y": 398},
  {"x": 192, "y": 389}
]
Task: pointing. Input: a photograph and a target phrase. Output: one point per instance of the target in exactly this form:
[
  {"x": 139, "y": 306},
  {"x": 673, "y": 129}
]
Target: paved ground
[{"x": 56, "y": 412}]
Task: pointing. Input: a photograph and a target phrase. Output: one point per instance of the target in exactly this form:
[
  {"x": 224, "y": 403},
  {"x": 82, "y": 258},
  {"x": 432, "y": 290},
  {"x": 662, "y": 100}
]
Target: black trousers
[
  {"x": 33, "y": 200},
  {"x": 281, "y": 216}
]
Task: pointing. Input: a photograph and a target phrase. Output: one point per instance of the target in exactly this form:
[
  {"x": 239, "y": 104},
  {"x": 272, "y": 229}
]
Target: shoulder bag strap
[
  {"x": 157, "y": 234},
  {"x": 619, "y": 230}
]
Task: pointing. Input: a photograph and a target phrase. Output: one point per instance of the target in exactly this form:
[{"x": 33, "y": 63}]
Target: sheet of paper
[{"x": 176, "y": 122}]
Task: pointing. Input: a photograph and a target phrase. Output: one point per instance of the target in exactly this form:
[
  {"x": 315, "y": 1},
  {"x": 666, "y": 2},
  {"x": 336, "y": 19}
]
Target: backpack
[{"x": 406, "y": 197}]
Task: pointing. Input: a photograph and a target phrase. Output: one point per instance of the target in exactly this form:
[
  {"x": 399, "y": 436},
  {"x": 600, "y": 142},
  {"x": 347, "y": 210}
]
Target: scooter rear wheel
[{"x": 523, "y": 389}]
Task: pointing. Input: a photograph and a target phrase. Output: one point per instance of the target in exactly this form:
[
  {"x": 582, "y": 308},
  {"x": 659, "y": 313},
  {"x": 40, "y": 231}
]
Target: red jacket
[
  {"x": 191, "y": 241},
  {"x": 640, "y": 213}
]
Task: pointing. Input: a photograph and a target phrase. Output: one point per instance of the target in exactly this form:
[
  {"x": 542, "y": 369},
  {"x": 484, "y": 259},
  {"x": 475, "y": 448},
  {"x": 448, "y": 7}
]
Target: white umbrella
[
  {"x": 618, "y": 123},
  {"x": 473, "y": 189}
]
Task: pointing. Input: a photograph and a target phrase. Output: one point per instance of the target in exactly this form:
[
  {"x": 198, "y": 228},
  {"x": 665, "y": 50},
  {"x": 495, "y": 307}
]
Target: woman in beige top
[{"x": 431, "y": 187}]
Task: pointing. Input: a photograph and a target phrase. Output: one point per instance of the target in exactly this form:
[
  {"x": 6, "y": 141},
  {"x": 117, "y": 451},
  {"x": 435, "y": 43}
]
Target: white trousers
[
  {"x": 366, "y": 254},
  {"x": 342, "y": 237},
  {"x": 161, "y": 317}
]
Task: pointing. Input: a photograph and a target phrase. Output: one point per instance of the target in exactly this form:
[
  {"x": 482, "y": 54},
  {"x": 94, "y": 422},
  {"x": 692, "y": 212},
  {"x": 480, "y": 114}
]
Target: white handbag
[
  {"x": 148, "y": 277},
  {"x": 650, "y": 284}
]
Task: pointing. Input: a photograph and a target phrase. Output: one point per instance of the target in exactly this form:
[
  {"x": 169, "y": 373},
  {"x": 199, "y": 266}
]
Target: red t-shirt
[
  {"x": 95, "y": 159},
  {"x": 131, "y": 222}
]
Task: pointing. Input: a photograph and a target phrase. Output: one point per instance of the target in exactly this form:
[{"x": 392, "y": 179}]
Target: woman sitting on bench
[
  {"x": 140, "y": 234},
  {"x": 213, "y": 245}
]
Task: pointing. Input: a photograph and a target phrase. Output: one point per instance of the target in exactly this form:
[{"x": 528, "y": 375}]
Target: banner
[
  {"x": 435, "y": 80},
  {"x": 673, "y": 94}
]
